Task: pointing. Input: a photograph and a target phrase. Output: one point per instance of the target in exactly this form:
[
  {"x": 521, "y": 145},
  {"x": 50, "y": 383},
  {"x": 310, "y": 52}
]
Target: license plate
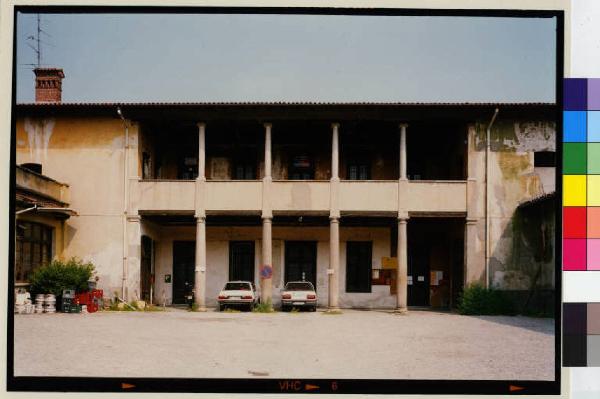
[
  {"x": 189, "y": 297},
  {"x": 235, "y": 297},
  {"x": 297, "y": 303}
]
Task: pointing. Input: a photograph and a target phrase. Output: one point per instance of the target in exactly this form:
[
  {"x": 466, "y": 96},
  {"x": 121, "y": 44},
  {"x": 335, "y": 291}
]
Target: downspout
[
  {"x": 487, "y": 198},
  {"x": 125, "y": 201}
]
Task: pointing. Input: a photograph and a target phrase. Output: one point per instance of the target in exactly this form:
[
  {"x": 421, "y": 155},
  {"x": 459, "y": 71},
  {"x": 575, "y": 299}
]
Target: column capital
[
  {"x": 267, "y": 218},
  {"x": 335, "y": 125},
  {"x": 200, "y": 218},
  {"x": 403, "y": 125},
  {"x": 201, "y": 124},
  {"x": 268, "y": 125},
  {"x": 334, "y": 219},
  {"x": 403, "y": 219}
]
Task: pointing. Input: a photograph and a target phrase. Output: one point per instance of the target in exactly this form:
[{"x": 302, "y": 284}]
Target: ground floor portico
[{"x": 361, "y": 252}]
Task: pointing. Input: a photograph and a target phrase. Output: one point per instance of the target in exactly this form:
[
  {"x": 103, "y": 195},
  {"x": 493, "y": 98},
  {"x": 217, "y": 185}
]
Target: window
[
  {"x": 33, "y": 249},
  {"x": 544, "y": 159},
  {"x": 358, "y": 266},
  {"x": 301, "y": 168},
  {"x": 358, "y": 170},
  {"x": 244, "y": 170}
]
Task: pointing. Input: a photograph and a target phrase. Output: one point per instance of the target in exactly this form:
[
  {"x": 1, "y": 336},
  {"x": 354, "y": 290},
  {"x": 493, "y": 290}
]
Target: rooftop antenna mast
[{"x": 37, "y": 46}]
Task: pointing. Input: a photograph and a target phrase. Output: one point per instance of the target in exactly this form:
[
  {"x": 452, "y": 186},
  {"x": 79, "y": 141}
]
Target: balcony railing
[{"x": 226, "y": 196}]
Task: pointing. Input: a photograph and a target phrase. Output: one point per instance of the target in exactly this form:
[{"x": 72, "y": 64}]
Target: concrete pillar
[
  {"x": 266, "y": 269},
  {"x": 334, "y": 263},
  {"x": 335, "y": 151},
  {"x": 402, "y": 271},
  {"x": 200, "y": 268},
  {"x": 475, "y": 221},
  {"x": 268, "y": 150},
  {"x": 201, "y": 150},
  {"x": 403, "y": 127},
  {"x": 133, "y": 268}
]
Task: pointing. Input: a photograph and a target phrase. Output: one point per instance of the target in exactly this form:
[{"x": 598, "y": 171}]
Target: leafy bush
[
  {"x": 478, "y": 300},
  {"x": 266, "y": 307},
  {"x": 58, "y": 276}
]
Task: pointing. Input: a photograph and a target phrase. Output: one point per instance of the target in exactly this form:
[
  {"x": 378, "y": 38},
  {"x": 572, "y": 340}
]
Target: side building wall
[{"x": 87, "y": 154}]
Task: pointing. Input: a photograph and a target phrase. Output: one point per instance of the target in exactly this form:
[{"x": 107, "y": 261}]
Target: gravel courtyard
[{"x": 355, "y": 344}]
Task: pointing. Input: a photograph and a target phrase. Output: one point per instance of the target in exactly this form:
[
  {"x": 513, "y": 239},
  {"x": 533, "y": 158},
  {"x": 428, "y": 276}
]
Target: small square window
[{"x": 544, "y": 159}]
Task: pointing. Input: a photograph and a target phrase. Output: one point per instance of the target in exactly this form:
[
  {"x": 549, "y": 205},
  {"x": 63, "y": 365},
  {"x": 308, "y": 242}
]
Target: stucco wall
[
  {"x": 513, "y": 180},
  {"x": 87, "y": 154}
]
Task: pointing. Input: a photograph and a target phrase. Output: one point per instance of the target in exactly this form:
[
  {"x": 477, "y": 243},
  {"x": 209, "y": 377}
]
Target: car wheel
[
  {"x": 284, "y": 308},
  {"x": 250, "y": 307},
  {"x": 313, "y": 309},
  {"x": 221, "y": 308}
]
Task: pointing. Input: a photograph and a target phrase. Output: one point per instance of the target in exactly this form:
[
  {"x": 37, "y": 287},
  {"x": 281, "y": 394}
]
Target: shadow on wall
[{"x": 527, "y": 274}]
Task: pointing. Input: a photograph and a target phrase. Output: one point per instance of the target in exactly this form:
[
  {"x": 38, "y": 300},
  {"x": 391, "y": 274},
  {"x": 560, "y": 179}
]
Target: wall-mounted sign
[
  {"x": 301, "y": 161},
  {"x": 375, "y": 273},
  {"x": 388, "y": 262},
  {"x": 167, "y": 278},
  {"x": 266, "y": 271}
]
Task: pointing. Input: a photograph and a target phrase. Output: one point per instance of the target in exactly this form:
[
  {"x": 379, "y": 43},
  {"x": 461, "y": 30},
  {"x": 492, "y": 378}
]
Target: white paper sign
[{"x": 421, "y": 278}]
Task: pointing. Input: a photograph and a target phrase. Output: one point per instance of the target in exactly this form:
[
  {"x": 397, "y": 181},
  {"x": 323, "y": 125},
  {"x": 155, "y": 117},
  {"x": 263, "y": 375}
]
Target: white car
[
  {"x": 298, "y": 294},
  {"x": 238, "y": 293}
]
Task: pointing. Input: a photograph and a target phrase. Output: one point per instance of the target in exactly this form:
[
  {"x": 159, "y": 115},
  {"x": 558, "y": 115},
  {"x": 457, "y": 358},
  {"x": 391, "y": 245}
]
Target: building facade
[{"x": 379, "y": 205}]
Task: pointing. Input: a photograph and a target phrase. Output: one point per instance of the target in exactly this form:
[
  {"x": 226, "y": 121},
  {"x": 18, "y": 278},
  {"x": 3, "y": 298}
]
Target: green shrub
[
  {"x": 266, "y": 307},
  {"x": 478, "y": 300},
  {"x": 58, "y": 276}
]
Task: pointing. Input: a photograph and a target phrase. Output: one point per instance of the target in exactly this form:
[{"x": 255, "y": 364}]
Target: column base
[
  {"x": 400, "y": 311},
  {"x": 200, "y": 309},
  {"x": 333, "y": 310}
]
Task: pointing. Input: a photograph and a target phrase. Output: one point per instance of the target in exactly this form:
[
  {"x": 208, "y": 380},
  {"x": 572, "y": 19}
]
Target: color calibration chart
[
  {"x": 581, "y": 215},
  {"x": 581, "y": 175}
]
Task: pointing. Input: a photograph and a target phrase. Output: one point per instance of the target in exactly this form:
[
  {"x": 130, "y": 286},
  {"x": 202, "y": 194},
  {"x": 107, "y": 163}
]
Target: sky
[{"x": 220, "y": 57}]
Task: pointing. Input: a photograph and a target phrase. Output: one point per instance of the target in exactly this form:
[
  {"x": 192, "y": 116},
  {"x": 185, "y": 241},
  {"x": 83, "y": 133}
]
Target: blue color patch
[
  {"x": 593, "y": 127},
  {"x": 575, "y": 126}
]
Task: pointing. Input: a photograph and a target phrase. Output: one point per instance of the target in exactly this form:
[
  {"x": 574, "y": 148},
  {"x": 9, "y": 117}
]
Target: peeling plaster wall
[
  {"x": 513, "y": 180},
  {"x": 87, "y": 154}
]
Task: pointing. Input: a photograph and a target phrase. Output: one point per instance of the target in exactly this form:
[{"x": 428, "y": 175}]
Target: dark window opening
[
  {"x": 301, "y": 168},
  {"x": 436, "y": 151},
  {"x": 241, "y": 261},
  {"x": 358, "y": 170},
  {"x": 33, "y": 249},
  {"x": 34, "y": 167},
  {"x": 544, "y": 159},
  {"x": 358, "y": 266},
  {"x": 244, "y": 170}
]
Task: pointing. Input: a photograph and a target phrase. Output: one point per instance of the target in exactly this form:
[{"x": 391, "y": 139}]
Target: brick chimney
[{"x": 48, "y": 84}]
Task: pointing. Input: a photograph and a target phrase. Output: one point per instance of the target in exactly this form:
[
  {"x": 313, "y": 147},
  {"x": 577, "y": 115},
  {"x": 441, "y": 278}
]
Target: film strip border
[{"x": 581, "y": 174}]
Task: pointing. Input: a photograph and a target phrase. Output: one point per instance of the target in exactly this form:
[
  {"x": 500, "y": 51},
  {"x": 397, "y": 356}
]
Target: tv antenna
[{"x": 37, "y": 42}]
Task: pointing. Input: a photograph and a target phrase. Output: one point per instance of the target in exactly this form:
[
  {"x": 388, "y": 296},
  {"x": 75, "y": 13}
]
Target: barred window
[{"x": 33, "y": 248}]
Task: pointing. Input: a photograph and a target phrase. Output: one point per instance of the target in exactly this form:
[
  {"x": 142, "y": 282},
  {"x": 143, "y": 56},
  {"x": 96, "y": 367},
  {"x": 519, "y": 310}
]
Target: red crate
[
  {"x": 83, "y": 298},
  {"x": 92, "y": 307},
  {"x": 97, "y": 294}
]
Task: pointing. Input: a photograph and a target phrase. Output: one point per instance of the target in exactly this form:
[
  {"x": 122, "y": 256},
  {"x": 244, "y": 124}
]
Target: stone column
[
  {"x": 200, "y": 266},
  {"x": 266, "y": 268},
  {"x": 403, "y": 127},
  {"x": 200, "y": 269},
  {"x": 134, "y": 255},
  {"x": 402, "y": 271},
  {"x": 333, "y": 272},
  {"x": 334, "y": 263}
]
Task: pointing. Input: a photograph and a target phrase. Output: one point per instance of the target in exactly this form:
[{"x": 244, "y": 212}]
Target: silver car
[{"x": 298, "y": 294}]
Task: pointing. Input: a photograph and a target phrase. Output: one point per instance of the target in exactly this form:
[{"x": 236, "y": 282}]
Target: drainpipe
[
  {"x": 125, "y": 201},
  {"x": 487, "y": 199}
]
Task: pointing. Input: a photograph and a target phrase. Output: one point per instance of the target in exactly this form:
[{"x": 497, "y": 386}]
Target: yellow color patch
[
  {"x": 593, "y": 190},
  {"x": 574, "y": 190}
]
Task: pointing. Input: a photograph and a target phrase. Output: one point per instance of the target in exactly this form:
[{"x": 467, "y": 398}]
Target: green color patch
[
  {"x": 574, "y": 158},
  {"x": 593, "y": 158}
]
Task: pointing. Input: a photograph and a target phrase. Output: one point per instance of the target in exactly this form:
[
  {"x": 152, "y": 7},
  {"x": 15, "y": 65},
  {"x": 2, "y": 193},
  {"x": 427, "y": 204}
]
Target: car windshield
[
  {"x": 237, "y": 286},
  {"x": 299, "y": 287}
]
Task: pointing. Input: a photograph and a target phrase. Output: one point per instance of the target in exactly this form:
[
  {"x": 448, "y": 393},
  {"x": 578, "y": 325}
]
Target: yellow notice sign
[{"x": 387, "y": 262}]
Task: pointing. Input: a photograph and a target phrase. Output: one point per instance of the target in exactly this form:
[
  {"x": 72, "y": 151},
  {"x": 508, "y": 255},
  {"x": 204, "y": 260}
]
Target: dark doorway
[
  {"x": 184, "y": 256},
  {"x": 358, "y": 266},
  {"x": 301, "y": 261},
  {"x": 418, "y": 275},
  {"x": 146, "y": 268},
  {"x": 241, "y": 260},
  {"x": 435, "y": 261}
]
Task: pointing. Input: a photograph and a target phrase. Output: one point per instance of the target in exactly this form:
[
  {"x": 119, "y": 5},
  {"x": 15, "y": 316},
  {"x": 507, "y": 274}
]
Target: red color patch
[{"x": 574, "y": 222}]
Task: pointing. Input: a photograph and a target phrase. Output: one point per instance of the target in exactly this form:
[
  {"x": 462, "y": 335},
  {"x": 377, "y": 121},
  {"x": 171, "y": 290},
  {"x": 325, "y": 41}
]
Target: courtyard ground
[{"x": 354, "y": 344}]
